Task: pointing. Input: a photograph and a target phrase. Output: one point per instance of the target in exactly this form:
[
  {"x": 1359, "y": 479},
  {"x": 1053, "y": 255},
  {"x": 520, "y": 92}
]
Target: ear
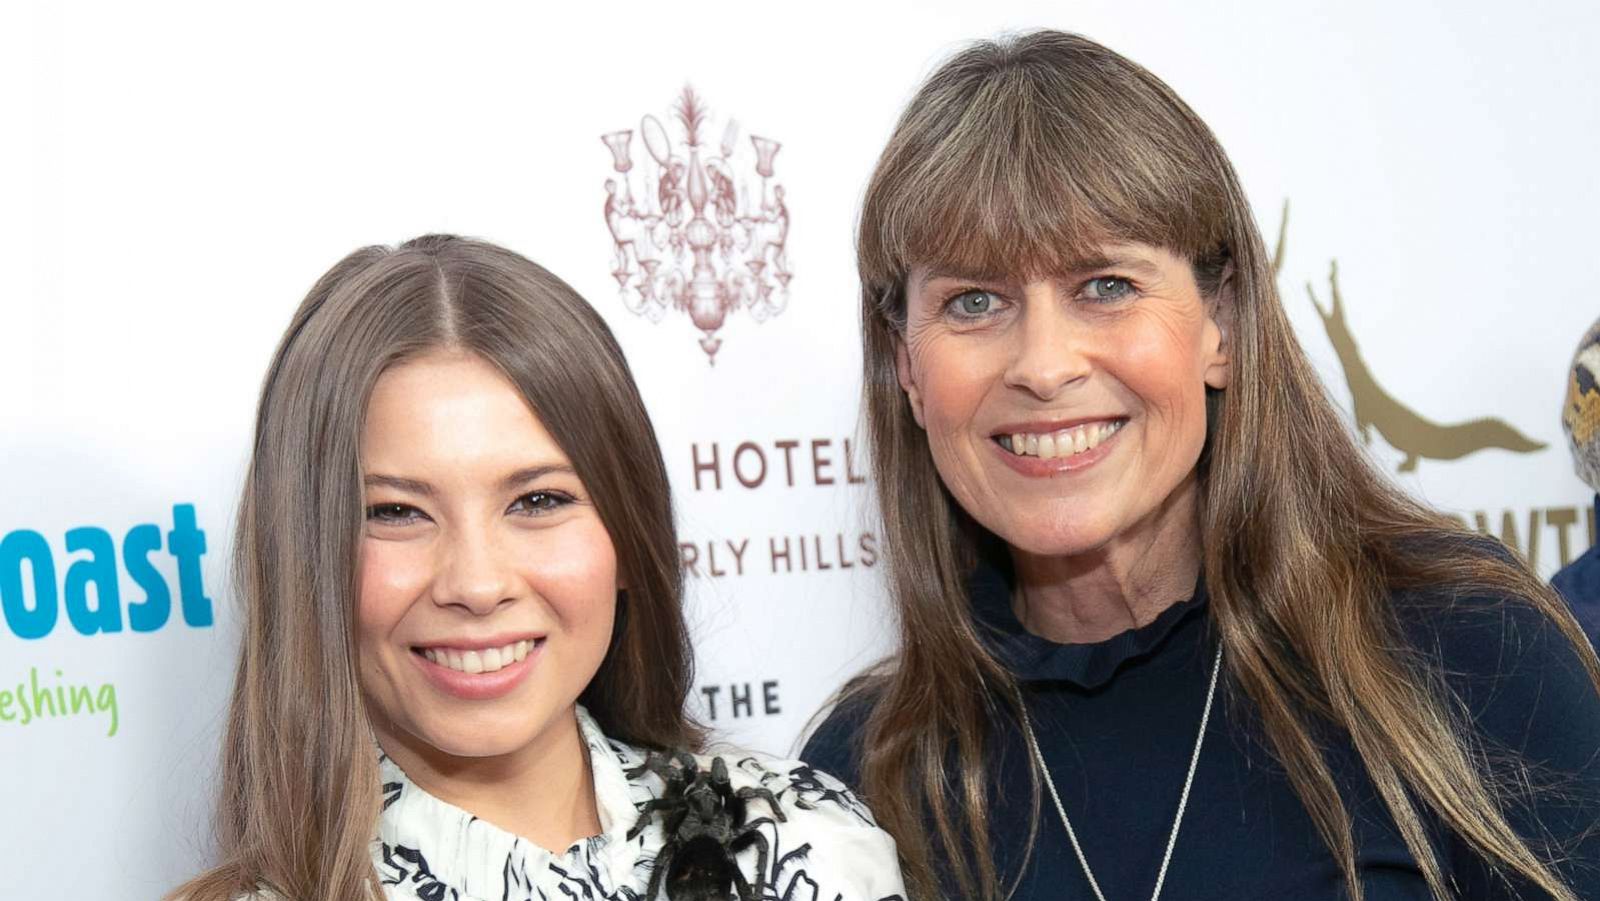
[
  {"x": 908, "y": 384},
  {"x": 1219, "y": 331}
]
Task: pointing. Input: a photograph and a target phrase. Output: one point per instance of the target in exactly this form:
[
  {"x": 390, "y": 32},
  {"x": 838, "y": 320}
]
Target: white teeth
[
  {"x": 1065, "y": 442},
  {"x": 480, "y": 661}
]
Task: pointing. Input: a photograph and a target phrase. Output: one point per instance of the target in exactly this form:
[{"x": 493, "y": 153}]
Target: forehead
[{"x": 451, "y": 410}]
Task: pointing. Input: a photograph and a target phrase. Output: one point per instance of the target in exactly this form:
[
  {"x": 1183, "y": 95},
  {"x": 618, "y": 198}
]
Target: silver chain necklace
[{"x": 1183, "y": 800}]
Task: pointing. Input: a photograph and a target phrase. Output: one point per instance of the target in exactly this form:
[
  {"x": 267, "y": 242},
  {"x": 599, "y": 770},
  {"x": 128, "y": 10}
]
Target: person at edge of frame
[{"x": 1579, "y": 581}]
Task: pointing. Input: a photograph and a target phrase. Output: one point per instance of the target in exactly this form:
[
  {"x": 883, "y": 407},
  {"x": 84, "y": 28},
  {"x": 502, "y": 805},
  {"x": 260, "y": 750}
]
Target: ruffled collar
[
  {"x": 1088, "y": 666},
  {"x": 431, "y": 848}
]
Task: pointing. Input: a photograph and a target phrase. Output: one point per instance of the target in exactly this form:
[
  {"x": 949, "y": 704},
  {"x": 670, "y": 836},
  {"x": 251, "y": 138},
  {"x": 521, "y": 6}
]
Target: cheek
[
  {"x": 1161, "y": 363},
  {"x": 954, "y": 377},
  {"x": 574, "y": 569},
  {"x": 393, "y": 576}
]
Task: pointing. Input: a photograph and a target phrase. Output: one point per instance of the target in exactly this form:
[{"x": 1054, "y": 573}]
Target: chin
[
  {"x": 482, "y": 736},
  {"x": 476, "y": 749},
  {"x": 1051, "y": 537}
]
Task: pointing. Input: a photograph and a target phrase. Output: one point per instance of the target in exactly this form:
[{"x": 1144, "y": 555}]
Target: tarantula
[{"x": 706, "y": 827}]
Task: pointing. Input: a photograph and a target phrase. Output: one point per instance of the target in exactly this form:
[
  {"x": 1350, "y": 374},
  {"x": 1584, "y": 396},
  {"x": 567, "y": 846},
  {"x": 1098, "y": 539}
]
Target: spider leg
[
  {"x": 675, "y": 821},
  {"x": 745, "y": 794},
  {"x": 743, "y": 889},
  {"x": 662, "y": 863},
  {"x": 751, "y": 835},
  {"x": 648, "y": 809},
  {"x": 687, "y": 763},
  {"x": 653, "y": 763}
]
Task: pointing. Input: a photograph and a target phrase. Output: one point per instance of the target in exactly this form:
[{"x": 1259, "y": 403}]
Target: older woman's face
[{"x": 1062, "y": 414}]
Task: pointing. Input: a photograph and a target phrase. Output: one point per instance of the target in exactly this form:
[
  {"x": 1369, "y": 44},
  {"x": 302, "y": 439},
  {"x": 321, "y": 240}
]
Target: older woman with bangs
[
  {"x": 1164, "y": 631},
  {"x": 464, "y": 662}
]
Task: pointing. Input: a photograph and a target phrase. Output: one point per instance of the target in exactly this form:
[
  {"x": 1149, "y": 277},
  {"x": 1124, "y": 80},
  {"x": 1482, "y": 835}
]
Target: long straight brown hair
[
  {"x": 1023, "y": 156},
  {"x": 299, "y": 793}
]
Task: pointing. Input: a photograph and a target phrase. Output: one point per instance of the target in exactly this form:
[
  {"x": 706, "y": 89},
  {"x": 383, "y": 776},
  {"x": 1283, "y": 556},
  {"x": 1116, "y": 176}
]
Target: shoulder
[
  {"x": 806, "y": 794},
  {"x": 1579, "y": 585},
  {"x": 829, "y": 832},
  {"x": 810, "y": 830},
  {"x": 1521, "y": 682},
  {"x": 836, "y": 744}
]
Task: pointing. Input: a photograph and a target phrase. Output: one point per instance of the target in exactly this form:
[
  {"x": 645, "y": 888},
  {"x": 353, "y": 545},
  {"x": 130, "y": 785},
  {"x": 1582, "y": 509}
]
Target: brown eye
[
  {"x": 537, "y": 502},
  {"x": 392, "y": 514}
]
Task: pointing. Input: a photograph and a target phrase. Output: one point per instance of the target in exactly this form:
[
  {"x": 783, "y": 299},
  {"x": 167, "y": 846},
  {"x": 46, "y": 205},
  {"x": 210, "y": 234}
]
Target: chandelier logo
[{"x": 700, "y": 236}]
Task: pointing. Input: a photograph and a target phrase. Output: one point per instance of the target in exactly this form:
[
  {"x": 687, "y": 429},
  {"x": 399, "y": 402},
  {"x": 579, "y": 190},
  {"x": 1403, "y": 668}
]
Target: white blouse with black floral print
[{"x": 827, "y": 849}]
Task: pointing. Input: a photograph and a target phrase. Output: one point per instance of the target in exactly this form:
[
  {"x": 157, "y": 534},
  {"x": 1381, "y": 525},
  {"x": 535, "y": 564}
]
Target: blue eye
[
  {"x": 972, "y": 304},
  {"x": 1107, "y": 288}
]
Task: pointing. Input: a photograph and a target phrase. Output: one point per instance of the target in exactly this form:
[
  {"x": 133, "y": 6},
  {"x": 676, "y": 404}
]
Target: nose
[
  {"x": 1048, "y": 352},
  {"x": 475, "y": 573}
]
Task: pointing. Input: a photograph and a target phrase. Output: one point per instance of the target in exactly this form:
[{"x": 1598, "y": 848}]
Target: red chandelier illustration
[{"x": 696, "y": 239}]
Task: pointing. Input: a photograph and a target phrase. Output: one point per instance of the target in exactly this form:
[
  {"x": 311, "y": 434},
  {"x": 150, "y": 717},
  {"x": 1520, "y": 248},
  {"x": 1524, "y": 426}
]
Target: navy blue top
[
  {"x": 1579, "y": 583},
  {"x": 1116, "y": 721}
]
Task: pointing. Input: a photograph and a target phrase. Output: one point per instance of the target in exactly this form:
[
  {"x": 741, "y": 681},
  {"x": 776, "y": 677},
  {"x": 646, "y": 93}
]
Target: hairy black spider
[{"x": 705, "y": 820}]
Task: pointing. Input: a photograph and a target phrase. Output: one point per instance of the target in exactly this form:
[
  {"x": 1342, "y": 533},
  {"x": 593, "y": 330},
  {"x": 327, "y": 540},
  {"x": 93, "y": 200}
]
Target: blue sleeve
[
  {"x": 1524, "y": 686},
  {"x": 1579, "y": 585}
]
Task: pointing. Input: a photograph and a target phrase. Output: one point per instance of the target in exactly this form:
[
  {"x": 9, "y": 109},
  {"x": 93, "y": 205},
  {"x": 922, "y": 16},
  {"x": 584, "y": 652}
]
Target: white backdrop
[{"x": 174, "y": 178}]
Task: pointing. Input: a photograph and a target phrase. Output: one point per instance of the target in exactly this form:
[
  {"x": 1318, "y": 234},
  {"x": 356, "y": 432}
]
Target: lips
[
  {"x": 482, "y": 671},
  {"x": 1050, "y": 449},
  {"x": 1065, "y": 442},
  {"x": 480, "y": 660}
]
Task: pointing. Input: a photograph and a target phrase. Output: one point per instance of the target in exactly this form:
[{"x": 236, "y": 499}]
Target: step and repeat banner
[{"x": 176, "y": 176}]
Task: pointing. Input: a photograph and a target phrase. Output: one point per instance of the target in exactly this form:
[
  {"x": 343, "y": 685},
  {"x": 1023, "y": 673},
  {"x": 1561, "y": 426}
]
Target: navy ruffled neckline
[{"x": 1089, "y": 666}]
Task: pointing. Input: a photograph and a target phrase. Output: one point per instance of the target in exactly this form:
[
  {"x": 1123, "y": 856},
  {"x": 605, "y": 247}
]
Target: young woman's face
[
  {"x": 487, "y": 582},
  {"x": 1062, "y": 414}
]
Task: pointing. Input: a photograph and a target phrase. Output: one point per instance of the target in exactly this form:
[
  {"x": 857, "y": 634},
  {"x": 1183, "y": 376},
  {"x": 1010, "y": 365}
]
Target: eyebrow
[
  {"x": 1105, "y": 262},
  {"x": 959, "y": 275},
  {"x": 515, "y": 479},
  {"x": 1133, "y": 264}
]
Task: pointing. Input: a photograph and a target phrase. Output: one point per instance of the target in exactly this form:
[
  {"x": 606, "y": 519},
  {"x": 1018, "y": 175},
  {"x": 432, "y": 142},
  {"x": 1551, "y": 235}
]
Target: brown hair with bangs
[
  {"x": 299, "y": 793},
  {"x": 1024, "y": 156}
]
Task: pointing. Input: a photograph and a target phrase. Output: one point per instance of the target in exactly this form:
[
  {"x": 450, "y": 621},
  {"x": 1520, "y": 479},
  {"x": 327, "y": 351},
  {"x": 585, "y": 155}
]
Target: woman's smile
[
  {"x": 479, "y": 673},
  {"x": 1048, "y": 449}
]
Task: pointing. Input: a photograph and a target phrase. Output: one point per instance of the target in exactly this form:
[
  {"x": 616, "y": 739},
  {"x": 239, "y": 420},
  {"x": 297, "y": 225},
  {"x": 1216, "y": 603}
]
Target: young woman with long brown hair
[
  {"x": 1164, "y": 630},
  {"x": 464, "y": 660}
]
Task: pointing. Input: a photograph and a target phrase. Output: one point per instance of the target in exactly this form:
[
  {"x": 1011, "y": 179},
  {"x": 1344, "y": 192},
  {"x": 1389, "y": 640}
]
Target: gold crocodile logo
[{"x": 1409, "y": 432}]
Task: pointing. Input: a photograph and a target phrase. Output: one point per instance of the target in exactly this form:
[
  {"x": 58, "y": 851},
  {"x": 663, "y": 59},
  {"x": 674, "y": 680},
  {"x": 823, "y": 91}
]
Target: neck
[
  {"x": 1121, "y": 585},
  {"x": 543, "y": 792}
]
